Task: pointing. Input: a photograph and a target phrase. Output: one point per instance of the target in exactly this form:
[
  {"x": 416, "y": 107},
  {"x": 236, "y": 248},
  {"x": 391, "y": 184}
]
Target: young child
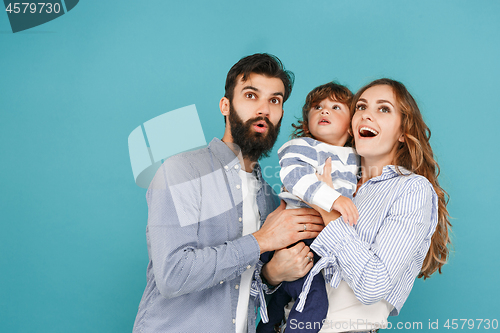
[{"x": 323, "y": 133}]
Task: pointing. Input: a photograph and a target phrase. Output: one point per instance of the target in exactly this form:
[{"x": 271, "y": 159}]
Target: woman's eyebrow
[
  {"x": 380, "y": 101},
  {"x": 362, "y": 100}
]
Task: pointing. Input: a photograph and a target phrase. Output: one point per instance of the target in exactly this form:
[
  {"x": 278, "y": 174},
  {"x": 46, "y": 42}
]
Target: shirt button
[
  {"x": 236, "y": 166},
  {"x": 221, "y": 282},
  {"x": 240, "y": 219},
  {"x": 248, "y": 267},
  {"x": 226, "y": 167},
  {"x": 234, "y": 321},
  {"x": 238, "y": 187},
  {"x": 236, "y": 287}
]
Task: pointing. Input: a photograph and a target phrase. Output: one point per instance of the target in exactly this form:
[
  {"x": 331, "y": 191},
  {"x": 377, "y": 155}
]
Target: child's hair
[
  {"x": 415, "y": 154},
  {"x": 330, "y": 90}
]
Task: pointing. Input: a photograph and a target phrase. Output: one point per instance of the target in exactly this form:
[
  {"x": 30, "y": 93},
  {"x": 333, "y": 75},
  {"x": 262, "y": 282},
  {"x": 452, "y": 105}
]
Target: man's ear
[{"x": 224, "y": 106}]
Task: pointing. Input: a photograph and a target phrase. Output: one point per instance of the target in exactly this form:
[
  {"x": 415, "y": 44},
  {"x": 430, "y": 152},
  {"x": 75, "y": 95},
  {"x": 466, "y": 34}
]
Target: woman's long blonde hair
[{"x": 415, "y": 154}]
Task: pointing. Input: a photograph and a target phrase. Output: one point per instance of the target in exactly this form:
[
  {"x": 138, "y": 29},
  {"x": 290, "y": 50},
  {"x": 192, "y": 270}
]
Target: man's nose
[{"x": 263, "y": 109}]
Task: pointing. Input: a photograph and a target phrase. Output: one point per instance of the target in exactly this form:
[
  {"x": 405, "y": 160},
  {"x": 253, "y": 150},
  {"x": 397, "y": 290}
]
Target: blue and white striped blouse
[{"x": 381, "y": 255}]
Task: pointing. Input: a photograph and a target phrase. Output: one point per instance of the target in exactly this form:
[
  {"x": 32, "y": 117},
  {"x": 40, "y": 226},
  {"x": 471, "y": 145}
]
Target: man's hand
[
  {"x": 288, "y": 264},
  {"x": 284, "y": 227}
]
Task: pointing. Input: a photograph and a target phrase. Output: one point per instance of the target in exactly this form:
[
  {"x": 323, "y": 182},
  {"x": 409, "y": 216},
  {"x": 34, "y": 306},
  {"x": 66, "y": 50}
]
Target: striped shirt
[
  {"x": 382, "y": 254},
  {"x": 302, "y": 158}
]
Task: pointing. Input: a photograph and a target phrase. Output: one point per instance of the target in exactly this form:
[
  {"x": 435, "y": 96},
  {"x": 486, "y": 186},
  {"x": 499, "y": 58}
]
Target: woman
[{"x": 402, "y": 231}]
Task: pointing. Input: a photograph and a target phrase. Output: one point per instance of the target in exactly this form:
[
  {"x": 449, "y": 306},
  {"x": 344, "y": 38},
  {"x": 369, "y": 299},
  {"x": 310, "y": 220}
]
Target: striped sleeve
[
  {"x": 395, "y": 258},
  {"x": 298, "y": 161}
]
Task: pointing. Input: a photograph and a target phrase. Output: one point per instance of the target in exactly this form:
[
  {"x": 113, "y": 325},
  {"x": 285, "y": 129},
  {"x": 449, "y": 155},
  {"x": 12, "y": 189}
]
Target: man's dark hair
[{"x": 259, "y": 63}]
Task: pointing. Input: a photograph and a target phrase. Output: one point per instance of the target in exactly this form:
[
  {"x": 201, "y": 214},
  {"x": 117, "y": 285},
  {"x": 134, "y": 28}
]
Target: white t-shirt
[{"x": 251, "y": 223}]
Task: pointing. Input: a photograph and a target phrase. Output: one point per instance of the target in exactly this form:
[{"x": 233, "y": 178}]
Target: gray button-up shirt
[{"x": 195, "y": 244}]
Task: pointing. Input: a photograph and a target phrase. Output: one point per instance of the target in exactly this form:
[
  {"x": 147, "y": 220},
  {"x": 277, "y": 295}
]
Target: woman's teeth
[{"x": 367, "y": 132}]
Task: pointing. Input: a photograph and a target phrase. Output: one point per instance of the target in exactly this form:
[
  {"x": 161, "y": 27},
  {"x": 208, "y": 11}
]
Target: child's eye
[
  {"x": 336, "y": 107},
  {"x": 317, "y": 107}
]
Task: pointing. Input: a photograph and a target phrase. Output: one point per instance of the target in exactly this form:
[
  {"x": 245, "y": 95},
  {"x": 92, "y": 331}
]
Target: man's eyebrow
[
  {"x": 249, "y": 87},
  {"x": 278, "y": 93}
]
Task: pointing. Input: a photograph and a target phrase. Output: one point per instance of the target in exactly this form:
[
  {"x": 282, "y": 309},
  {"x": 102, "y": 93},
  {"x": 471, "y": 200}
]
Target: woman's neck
[{"x": 371, "y": 168}]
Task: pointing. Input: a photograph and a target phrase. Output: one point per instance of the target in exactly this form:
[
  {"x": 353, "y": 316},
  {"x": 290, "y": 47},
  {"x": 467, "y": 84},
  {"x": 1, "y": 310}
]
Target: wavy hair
[
  {"x": 332, "y": 90},
  {"x": 415, "y": 154}
]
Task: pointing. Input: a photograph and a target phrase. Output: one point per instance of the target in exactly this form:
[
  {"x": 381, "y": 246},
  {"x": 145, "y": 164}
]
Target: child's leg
[
  {"x": 275, "y": 311},
  {"x": 311, "y": 318}
]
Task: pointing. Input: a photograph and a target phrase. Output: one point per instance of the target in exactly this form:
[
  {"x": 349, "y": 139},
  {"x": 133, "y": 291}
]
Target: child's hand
[
  {"x": 326, "y": 177},
  {"x": 347, "y": 209}
]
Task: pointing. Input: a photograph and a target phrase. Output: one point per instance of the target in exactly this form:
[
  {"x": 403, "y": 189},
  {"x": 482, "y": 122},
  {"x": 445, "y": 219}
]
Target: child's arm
[
  {"x": 298, "y": 161},
  {"x": 341, "y": 206}
]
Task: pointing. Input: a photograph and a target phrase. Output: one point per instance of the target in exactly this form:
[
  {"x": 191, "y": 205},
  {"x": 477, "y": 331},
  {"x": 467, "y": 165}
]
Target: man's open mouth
[
  {"x": 367, "y": 132},
  {"x": 260, "y": 126}
]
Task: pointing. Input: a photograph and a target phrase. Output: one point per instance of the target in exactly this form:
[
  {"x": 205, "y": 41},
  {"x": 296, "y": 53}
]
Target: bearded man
[{"x": 211, "y": 215}]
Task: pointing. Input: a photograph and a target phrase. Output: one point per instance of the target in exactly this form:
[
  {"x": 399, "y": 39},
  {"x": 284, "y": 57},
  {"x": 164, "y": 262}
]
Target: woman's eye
[
  {"x": 360, "y": 107},
  {"x": 384, "y": 109}
]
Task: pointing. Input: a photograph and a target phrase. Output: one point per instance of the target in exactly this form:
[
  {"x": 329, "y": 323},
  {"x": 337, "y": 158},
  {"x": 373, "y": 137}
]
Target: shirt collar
[
  {"x": 227, "y": 157},
  {"x": 391, "y": 171}
]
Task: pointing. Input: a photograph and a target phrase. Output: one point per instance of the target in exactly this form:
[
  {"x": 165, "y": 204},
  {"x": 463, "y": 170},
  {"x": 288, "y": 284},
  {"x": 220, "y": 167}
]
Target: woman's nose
[{"x": 367, "y": 114}]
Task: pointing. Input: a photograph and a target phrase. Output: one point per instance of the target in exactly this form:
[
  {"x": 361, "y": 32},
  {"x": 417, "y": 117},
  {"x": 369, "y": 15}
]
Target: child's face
[{"x": 329, "y": 121}]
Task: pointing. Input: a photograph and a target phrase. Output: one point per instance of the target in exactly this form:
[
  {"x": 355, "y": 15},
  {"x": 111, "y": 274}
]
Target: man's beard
[{"x": 253, "y": 145}]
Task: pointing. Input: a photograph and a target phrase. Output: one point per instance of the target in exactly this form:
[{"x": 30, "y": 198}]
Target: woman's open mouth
[{"x": 367, "y": 132}]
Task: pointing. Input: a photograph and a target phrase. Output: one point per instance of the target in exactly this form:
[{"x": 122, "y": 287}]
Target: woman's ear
[
  {"x": 224, "y": 106},
  {"x": 402, "y": 138}
]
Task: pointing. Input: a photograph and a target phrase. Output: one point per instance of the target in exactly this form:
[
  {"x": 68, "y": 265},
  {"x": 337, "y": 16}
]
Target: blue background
[{"x": 73, "y": 250}]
